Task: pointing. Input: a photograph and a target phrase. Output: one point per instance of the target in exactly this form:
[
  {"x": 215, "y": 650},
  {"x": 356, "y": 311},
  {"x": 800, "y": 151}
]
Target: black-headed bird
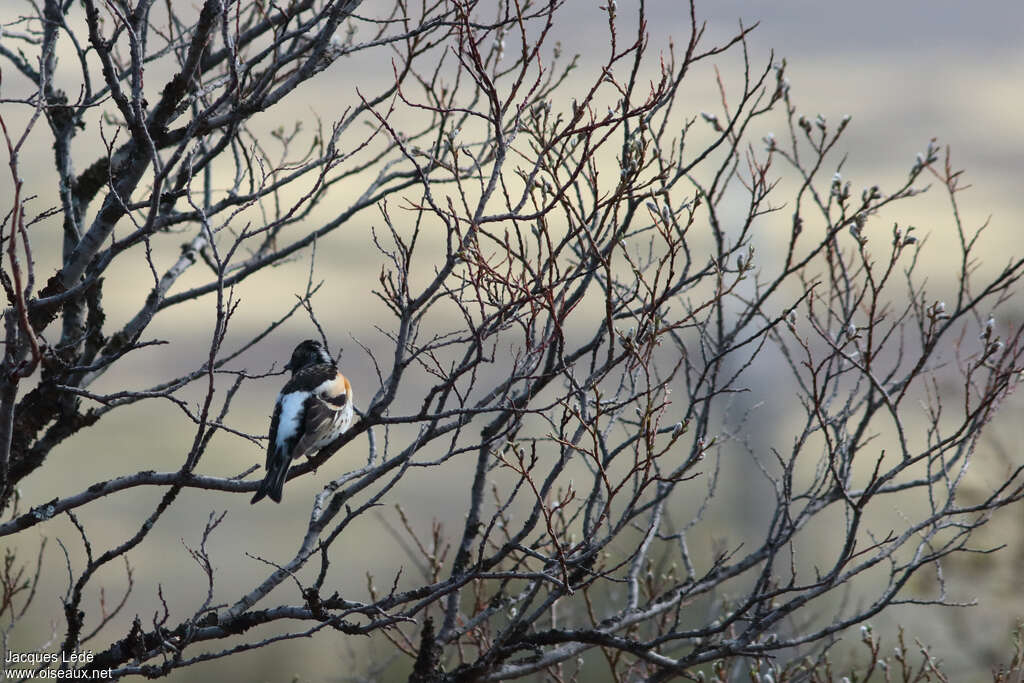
[{"x": 313, "y": 409}]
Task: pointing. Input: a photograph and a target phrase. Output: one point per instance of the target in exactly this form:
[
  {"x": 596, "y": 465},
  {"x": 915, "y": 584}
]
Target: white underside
[{"x": 342, "y": 419}]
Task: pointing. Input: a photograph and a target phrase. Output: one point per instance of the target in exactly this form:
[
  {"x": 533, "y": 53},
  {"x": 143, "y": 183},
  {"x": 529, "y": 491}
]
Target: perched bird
[{"x": 312, "y": 410}]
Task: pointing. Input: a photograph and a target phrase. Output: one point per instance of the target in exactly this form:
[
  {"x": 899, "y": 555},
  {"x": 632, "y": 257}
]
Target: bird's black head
[{"x": 309, "y": 352}]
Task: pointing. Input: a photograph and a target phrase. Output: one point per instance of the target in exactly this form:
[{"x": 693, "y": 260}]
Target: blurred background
[{"x": 905, "y": 72}]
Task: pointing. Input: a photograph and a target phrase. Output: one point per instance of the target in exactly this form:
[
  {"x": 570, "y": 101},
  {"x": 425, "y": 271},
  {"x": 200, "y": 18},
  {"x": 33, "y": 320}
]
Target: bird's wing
[
  {"x": 318, "y": 421},
  {"x": 275, "y": 421}
]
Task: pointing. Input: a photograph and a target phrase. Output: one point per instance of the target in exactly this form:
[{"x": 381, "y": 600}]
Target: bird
[{"x": 313, "y": 409}]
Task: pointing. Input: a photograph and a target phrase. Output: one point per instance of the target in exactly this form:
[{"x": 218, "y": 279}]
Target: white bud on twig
[{"x": 712, "y": 119}]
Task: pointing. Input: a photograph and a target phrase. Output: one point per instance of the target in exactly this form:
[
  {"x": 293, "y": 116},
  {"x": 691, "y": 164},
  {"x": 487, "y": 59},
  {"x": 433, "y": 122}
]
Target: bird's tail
[{"x": 273, "y": 484}]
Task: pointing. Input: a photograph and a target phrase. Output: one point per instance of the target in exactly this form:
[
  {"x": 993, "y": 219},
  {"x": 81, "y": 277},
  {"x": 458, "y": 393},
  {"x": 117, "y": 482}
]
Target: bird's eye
[{"x": 339, "y": 400}]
